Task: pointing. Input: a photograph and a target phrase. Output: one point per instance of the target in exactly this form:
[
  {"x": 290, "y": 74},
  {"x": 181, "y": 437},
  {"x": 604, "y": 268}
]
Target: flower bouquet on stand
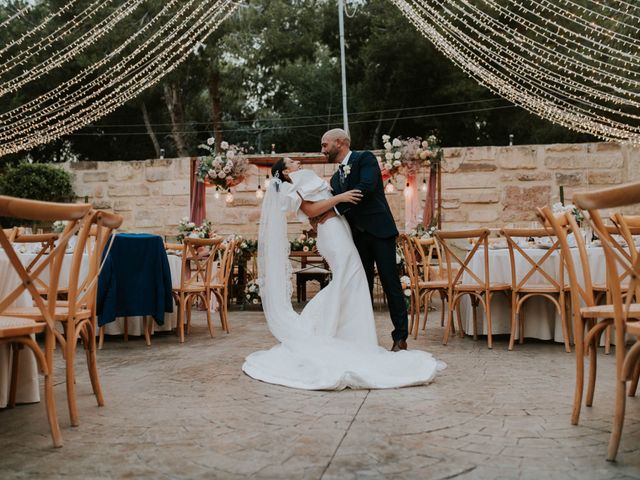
[
  {"x": 187, "y": 228},
  {"x": 407, "y": 156},
  {"x": 303, "y": 243},
  {"x": 252, "y": 295},
  {"x": 223, "y": 168}
]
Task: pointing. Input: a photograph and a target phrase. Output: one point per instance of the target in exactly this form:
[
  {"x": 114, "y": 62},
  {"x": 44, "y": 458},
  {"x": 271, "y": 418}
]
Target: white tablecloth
[{"x": 541, "y": 318}]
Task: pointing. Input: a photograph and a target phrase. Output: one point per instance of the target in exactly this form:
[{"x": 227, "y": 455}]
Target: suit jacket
[{"x": 372, "y": 214}]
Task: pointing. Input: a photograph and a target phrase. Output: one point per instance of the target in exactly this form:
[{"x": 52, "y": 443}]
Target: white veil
[{"x": 274, "y": 267}]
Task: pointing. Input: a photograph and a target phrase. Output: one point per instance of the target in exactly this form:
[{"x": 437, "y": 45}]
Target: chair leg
[
  {"x": 47, "y": 367},
  {"x": 579, "y": 388},
  {"x": 607, "y": 340},
  {"x": 447, "y": 328},
  {"x": 593, "y": 367},
  {"x": 226, "y": 308},
  {"x": 474, "y": 305},
  {"x": 146, "y": 322},
  {"x": 563, "y": 319},
  {"x": 487, "y": 307},
  {"x": 101, "y": 338},
  {"x": 442, "y": 297},
  {"x": 181, "y": 319},
  {"x": 514, "y": 317},
  {"x": 89, "y": 340},
  {"x": 207, "y": 305},
  {"x": 189, "y": 306},
  {"x": 521, "y": 320},
  {"x": 415, "y": 315},
  {"x": 15, "y": 360},
  {"x": 618, "y": 419},
  {"x": 71, "y": 373},
  {"x": 459, "y": 318}
]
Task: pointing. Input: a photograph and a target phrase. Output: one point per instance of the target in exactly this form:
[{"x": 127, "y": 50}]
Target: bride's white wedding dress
[{"x": 332, "y": 344}]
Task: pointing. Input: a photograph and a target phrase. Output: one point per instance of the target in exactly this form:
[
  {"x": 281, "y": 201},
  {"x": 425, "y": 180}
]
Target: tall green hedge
[{"x": 36, "y": 181}]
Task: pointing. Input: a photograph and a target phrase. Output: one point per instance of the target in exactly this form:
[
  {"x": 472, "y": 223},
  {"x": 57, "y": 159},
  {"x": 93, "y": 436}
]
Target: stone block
[
  {"x": 164, "y": 163},
  {"x": 480, "y": 197},
  {"x": 533, "y": 176},
  {"x": 605, "y": 178},
  {"x": 612, "y": 160},
  {"x": 480, "y": 154},
  {"x": 122, "y": 205},
  {"x": 98, "y": 191},
  {"x": 83, "y": 165},
  {"x": 181, "y": 201},
  {"x": 517, "y": 158},
  {"x": 156, "y": 174},
  {"x": 482, "y": 216},
  {"x": 450, "y": 204},
  {"x": 566, "y": 148},
  {"x": 126, "y": 171},
  {"x": 89, "y": 177},
  {"x": 454, "y": 216},
  {"x": 102, "y": 204},
  {"x": 570, "y": 179},
  {"x": 519, "y": 203},
  {"x": 567, "y": 162},
  {"x": 149, "y": 218},
  {"x": 477, "y": 167},
  {"x": 175, "y": 187},
  {"x": 128, "y": 190},
  {"x": 606, "y": 147},
  {"x": 465, "y": 180}
]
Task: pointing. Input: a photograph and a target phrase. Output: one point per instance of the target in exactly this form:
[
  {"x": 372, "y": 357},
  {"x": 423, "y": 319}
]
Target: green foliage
[{"x": 37, "y": 181}]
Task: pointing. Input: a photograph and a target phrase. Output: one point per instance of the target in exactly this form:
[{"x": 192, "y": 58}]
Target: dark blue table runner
[{"x": 135, "y": 279}]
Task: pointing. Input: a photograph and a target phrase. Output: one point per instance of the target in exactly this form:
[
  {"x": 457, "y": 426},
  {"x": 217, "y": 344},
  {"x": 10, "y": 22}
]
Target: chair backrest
[
  {"x": 74, "y": 215},
  {"x": 198, "y": 255},
  {"x": 46, "y": 243},
  {"x": 592, "y": 202},
  {"x": 527, "y": 277},
  {"x": 410, "y": 260},
  {"x": 564, "y": 224},
  {"x": 428, "y": 249},
  {"x": 627, "y": 226},
  {"x": 225, "y": 265},
  {"x": 478, "y": 239},
  {"x": 11, "y": 233}
]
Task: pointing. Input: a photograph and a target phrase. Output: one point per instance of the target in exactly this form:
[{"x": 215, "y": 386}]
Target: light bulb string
[
  {"x": 153, "y": 76},
  {"x": 19, "y": 13}
]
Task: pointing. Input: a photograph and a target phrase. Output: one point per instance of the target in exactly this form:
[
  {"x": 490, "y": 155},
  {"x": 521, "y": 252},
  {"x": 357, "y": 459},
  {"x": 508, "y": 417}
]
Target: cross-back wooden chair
[
  {"x": 625, "y": 314},
  {"x": 589, "y": 318},
  {"x": 18, "y": 331},
  {"x": 11, "y": 233},
  {"x": 194, "y": 271},
  {"x": 465, "y": 281},
  {"x": 77, "y": 313},
  {"x": 535, "y": 279},
  {"x": 218, "y": 284}
]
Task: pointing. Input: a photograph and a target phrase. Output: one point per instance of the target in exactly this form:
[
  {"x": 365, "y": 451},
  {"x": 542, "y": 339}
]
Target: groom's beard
[{"x": 331, "y": 156}]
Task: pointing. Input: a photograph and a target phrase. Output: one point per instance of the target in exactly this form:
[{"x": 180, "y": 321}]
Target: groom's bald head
[{"x": 335, "y": 144}]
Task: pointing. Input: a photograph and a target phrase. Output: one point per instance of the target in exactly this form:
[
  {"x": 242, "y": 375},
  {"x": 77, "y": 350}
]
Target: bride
[{"x": 332, "y": 344}]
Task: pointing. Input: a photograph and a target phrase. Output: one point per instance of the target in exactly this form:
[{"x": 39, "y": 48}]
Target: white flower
[
  {"x": 248, "y": 297},
  {"x": 388, "y": 156},
  {"x": 305, "y": 249},
  {"x": 226, "y": 170},
  {"x": 385, "y": 138},
  {"x": 224, "y": 145},
  {"x": 211, "y": 141},
  {"x": 432, "y": 139},
  {"x": 397, "y": 155},
  {"x": 243, "y": 245},
  {"x": 222, "y": 175},
  {"x": 191, "y": 225},
  {"x": 397, "y": 163},
  {"x": 388, "y": 146},
  {"x": 388, "y": 166},
  {"x": 231, "y": 154},
  {"x": 405, "y": 280},
  {"x": 398, "y": 258},
  {"x": 346, "y": 169},
  {"x": 397, "y": 142},
  {"x": 425, "y": 144},
  {"x": 212, "y": 173},
  {"x": 255, "y": 301},
  {"x": 407, "y": 292}
]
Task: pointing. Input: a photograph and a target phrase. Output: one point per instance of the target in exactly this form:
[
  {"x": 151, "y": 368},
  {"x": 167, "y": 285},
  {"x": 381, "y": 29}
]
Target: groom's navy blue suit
[{"x": 374, "y": 231}]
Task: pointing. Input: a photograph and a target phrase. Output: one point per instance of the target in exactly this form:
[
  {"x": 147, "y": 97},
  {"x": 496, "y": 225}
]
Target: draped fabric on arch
[{"x": 198, "y": 197}]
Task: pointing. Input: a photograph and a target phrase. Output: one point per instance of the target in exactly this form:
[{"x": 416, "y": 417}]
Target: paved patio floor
[{"x": 187, "y": 411}]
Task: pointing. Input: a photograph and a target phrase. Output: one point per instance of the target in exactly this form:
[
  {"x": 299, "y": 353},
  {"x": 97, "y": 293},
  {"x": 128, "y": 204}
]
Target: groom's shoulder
[{"x": 362, "y": 155}]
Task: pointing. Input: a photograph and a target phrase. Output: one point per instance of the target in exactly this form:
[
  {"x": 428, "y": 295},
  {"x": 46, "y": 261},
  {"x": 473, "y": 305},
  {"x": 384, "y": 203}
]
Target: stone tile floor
[{"x": 187, "y": 411}]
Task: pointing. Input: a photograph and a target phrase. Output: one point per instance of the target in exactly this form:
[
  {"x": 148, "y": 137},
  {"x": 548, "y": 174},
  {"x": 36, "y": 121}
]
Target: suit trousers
[{"x": 382, "y": 253}]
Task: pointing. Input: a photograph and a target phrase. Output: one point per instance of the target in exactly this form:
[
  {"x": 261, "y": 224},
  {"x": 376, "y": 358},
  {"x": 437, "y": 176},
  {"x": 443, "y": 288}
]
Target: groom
[{"x": 374, "y": 230}]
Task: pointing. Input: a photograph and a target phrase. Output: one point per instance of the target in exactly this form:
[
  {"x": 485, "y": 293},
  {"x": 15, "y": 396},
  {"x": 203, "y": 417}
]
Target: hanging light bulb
[
  {"x": 266, "y": 182},
  {"x": 407, "y": 190},
  {"x": 424, "y": 185},
  {"x": 228, "y": 197},
  {"x": 259, "y": 193},
  {"x": 216, "y": 195},
  {"x": 389, "y": 188}
]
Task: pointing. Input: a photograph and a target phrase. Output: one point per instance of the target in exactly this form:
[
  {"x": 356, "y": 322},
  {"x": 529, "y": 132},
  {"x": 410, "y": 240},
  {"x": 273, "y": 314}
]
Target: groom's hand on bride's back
[{"x": 322, "y": 218}]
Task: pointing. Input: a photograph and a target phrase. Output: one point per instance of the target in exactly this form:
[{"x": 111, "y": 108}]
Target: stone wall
[{"x": 482, "y": 186}]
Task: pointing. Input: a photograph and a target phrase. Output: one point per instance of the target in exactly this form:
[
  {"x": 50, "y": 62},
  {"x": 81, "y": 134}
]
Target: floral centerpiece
[
  {"x": 408, "y": 155},
  {"x": 303, "y": 243},
  {"x": 252, "y": 293},
  {"x": 247, "y": 246},
  {"x": 190, "y": 229},
  {"x": 58, "y": 226},
  {"x": 423, "y": 232},
  {"x": 570, "y": 208},
  {"x": 223, "y": 168}
]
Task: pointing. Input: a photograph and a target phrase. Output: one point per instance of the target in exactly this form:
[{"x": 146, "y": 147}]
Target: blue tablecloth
[{"x": 135, "y": 279}]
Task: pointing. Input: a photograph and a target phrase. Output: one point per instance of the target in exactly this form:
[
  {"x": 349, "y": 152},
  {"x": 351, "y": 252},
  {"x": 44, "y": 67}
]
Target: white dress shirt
[{"x": 345, "y": 161}]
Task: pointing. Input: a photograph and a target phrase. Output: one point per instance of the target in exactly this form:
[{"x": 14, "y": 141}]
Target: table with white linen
[
  {"x": 542, "y": 320},
  {"x": 28, "y": 377}
]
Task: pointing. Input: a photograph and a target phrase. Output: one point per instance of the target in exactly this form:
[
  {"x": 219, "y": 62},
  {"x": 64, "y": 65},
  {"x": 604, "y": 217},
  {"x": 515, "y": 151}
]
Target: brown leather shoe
[{"x": 399, "y": 345}]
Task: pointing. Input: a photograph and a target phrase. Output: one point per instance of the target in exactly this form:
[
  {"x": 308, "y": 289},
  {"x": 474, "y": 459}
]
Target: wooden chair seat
[
  {"x": 606, "y": 311},
  {"x": 433, "y": 284},
  {"x": 15, "y": 326},
  {"x": 474, "y": 287},
  {"x": 61, "y": 313},
  {"x": 542, "y": 288}
]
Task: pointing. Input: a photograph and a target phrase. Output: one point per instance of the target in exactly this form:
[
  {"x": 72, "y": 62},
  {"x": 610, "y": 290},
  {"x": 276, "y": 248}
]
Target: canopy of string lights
[{"x": 573, "y": 62}]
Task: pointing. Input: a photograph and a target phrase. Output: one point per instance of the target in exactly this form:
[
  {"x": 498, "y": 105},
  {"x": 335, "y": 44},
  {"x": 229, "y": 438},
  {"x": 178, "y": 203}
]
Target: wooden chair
[
  {"x": 625, "y": 314},
  {"x": 218, "y": 284},
  {"x": 11, "y": 233},
  {"x": 18, "y": 331},
  {"x": 194, "y": 272},
  {"x": 535, "y": 281},
  {"x": 479, "y": 289},
  {"x": 47, "y": 242},
  {"x": 77, "y": 313}
]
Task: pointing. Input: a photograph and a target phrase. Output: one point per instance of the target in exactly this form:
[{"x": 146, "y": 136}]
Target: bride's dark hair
[{"x": 278, "y": 168}]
